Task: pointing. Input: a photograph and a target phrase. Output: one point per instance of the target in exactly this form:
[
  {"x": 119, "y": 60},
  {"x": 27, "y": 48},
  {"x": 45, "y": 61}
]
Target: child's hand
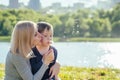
[{"x": 48, "y": 57}]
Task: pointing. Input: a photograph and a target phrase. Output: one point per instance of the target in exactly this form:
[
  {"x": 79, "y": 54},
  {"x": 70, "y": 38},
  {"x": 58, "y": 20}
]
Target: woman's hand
[
  {"x": 48, "y": 57},
  {"x": 54, "y": 70}
]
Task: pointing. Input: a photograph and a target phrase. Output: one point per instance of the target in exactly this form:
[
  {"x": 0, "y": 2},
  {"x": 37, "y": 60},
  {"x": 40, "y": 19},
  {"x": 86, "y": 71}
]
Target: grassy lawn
[
  {"x": 79, "y": 73},
  {"x": 77, "y": 39},
  {"x": 1, "y": 71},
  {"x": 5, "y": 38},
  {"x": 94, "y": 39}
]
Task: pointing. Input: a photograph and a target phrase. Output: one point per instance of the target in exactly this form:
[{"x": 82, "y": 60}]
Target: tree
[
  {"x": 69, "y": 27},
  {"x": 116, "y": 13},
  {"x": 116, "y": 29},
  {"x": 7, "y": 27},
  {"x": 106, "y": 28}
]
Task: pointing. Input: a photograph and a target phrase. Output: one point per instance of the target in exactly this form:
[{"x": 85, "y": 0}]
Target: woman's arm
[
  {"x": 23, "y": 67},
  {"x": 24, "y": 70},
  {"x": 55, "y": 69}
]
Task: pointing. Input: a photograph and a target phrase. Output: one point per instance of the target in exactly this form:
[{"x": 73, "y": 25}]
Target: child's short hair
[{"x": 43, "y": 25}]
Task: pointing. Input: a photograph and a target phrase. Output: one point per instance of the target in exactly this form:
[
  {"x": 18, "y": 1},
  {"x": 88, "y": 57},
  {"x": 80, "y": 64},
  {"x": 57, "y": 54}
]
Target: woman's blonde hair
[{"x": 22, "y": 37}]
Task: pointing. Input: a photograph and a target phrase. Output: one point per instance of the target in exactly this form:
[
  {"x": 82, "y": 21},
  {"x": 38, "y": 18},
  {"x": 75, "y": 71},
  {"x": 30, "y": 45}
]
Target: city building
[
  {"x": 13, "y": 4},
  {"x": 34, "y": 4},
  {"x": 78, "y": 5}
]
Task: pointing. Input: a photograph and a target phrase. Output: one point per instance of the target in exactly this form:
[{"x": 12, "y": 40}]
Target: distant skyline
[{"x": 46, "y": 3}]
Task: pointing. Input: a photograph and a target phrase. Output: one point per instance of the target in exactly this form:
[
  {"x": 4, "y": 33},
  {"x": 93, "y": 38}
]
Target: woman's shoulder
[
  {"x": 16, "y": 59},
  {"x": 14, "y": 56}
]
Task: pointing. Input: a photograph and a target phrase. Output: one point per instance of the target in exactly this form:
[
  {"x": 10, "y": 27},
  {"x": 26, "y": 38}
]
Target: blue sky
[{"x": 49, "y": 2}]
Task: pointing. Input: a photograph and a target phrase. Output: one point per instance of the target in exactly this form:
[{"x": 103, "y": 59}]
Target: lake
[{"x": 81, "y": 54}]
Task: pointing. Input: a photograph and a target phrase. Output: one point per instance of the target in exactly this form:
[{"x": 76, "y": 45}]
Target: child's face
[
  {"x": 47, "y": 37},
  {"x": 37, "y": 38}
]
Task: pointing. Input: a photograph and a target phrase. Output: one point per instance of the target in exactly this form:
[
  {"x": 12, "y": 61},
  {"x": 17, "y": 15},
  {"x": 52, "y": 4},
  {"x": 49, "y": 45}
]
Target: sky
[{"x": 46, "y": 3}]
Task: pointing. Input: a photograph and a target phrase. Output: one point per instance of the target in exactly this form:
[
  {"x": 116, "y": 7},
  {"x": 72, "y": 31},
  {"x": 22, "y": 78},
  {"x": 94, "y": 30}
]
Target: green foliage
[
  {"x": 69, "y": 27},
  {"x": 7, "y": 29},
  {"x": 81, "y": 23},
  {"x": 116, "y": 13},
  {"x": 115, "y": 29}
]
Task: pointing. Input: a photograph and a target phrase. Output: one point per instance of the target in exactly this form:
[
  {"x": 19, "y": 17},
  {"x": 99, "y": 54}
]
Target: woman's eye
[
  {"x": 45, "y": 35},
  {"x": 35, "y": 34}
]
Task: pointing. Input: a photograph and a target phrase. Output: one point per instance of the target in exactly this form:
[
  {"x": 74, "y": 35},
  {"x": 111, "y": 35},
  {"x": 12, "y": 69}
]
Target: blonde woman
[{"x": 24, "y": 37}]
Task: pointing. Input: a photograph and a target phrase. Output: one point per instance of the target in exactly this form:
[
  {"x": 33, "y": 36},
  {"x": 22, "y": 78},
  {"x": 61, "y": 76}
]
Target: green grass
[
  {"x": 82, "y": 73},
  {"x": 95, "y": 39},
  {"x": 2, "y": 71},
  {"x": 5, "y": 38},
  {"x": 76, "y": 39},
  {"x": 77, "y": 73}
]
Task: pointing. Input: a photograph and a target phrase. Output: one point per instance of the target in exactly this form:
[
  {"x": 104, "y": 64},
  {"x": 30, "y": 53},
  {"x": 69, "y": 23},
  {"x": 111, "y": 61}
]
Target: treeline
[{"x": 82, "y": 23}]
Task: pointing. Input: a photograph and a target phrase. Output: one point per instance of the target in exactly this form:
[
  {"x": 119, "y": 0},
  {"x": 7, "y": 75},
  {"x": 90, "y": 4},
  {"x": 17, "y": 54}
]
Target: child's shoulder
[{"x": 52, "y": 47}]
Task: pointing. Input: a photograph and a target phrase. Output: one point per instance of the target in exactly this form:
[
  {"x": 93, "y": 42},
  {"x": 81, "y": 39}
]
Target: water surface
[{"x": 82, "y": 54}]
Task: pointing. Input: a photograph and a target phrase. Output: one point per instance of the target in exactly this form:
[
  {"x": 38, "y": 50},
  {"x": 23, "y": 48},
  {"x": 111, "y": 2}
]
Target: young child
[{"x": 46, "y": 31}]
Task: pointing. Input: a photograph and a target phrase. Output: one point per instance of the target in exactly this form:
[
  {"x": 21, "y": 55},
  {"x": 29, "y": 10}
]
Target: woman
[{"x": 24, "y": 37}]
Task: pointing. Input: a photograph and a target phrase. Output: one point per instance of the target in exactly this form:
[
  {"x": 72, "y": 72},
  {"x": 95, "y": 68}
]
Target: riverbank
[
  {"x": 82, "y": 73},
  {"x": 5, "y": 38},
  {"x": 77, "y": 39}
]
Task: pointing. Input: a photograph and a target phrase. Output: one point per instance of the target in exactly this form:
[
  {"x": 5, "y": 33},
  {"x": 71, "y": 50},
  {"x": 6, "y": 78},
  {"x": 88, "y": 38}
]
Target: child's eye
[{"x": 45, "y": 35}]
